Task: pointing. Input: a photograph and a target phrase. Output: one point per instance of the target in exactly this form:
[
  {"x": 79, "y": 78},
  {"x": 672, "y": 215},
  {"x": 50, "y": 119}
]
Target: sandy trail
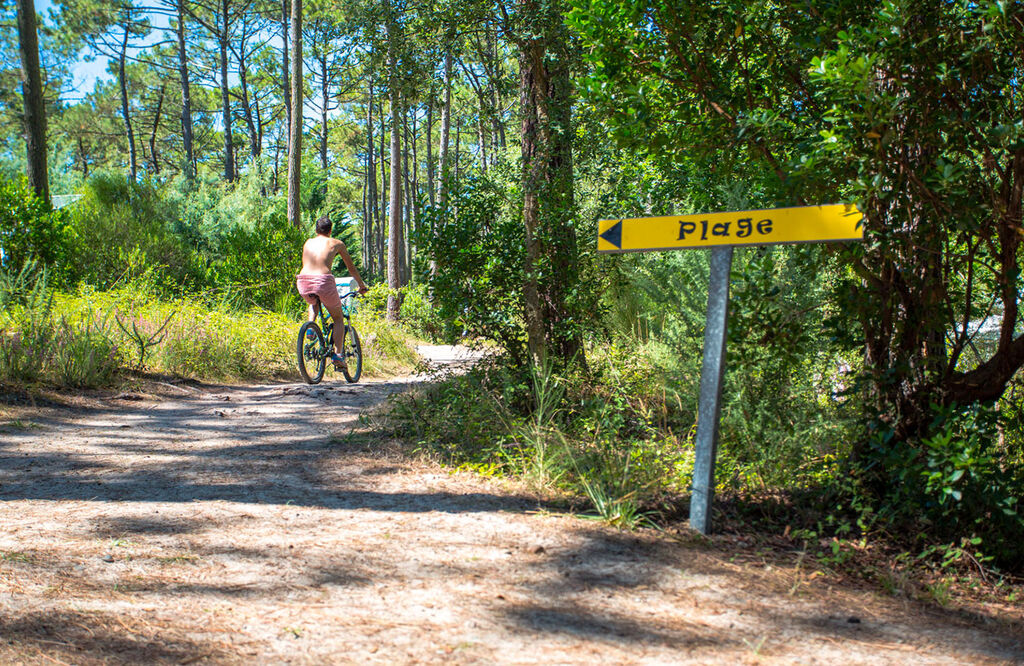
[{"x": 254, "y": 524}]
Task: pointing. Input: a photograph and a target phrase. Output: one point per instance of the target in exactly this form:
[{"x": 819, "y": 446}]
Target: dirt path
[{"x": 249, "y": 524}]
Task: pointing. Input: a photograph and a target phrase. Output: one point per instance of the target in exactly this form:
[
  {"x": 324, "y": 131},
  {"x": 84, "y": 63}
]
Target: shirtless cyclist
[{"x": 316, "y": 281}]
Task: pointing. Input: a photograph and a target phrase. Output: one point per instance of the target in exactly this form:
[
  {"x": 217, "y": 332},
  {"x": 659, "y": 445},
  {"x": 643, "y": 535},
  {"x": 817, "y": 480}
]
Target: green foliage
[
  {"x": 122, "y": 229},
  {"x": 27, "y": 286},
  {"x": 24, "y": 345},
  {"x": 260, "y": 261},
  {"x": 418, "y": 314},
  {"x": 953, "y": 484},
  {"x": 203, "y": 340},
  {"x": 29, "y": 228},
  {"x": 911, "y": 109},
  {"x": 42, "y": 341},
  {"x": 783, "y": 404},
  {"x": 85, "y": 353},
  {"x": 478, "y": 247},
  {"x": 25, "y": 312},
  {"x": 590, "y": 435},
  {"x": 374, "y": 302},
  {"x": 387, "y": 349}
]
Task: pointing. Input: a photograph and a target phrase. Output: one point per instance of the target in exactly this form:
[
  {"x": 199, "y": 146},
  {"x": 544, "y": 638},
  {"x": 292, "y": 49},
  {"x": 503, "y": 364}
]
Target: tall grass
[
  {"x": 211, "y": 339},
  {"x": 39, "y": 342},
  {"x": 92, "y": 338},
  {"x": 592, "y": 439}
]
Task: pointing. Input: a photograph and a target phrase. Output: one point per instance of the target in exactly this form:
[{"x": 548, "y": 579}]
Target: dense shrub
[
  {"x": 41, "y": 341},
  {"x": 124, "y": 229},
  {"x": 208, "y": 339},
  {"x": 593, "y": 435},
  {"x": 260, "y": 262},
  {"x": 955, "y": 484},
  {"x": 30, "y": 229},
  {"x": 478, "y": 244}
]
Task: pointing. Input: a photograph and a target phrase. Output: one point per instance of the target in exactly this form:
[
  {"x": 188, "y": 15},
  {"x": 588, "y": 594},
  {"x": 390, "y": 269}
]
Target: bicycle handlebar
[{"x": 351, "y": 293}]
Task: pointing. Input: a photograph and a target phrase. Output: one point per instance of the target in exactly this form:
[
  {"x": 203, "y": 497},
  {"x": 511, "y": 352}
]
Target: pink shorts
[{"x": 323, "y": 287}]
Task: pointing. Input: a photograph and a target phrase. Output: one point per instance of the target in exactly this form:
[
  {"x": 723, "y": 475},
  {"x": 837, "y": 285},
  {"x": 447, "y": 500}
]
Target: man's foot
[
  {"x": 339, "y": 361},
  {"x": 310, "y": 335}
]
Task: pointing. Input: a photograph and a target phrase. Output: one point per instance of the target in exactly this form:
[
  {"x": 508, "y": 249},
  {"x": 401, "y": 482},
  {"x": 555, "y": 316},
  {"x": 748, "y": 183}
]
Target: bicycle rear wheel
[
  {"x": 311, "y": 353},
  {"x": 353, "y": 355}
]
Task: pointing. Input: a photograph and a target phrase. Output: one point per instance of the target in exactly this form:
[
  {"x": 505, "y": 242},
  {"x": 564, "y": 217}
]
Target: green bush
[
  {"x": 417, "y": 314},
  {"x": 85, "y": 355},
  {"x": 124, "y": 229},
  {"x": 954, "y": 484},
  {"x": 29, "y": 228},
  {"x": 72, "y": 348},
  {"x": 479, "y": 249},
  {"x": 260, "y": 262},
  {"x": 206, "y": 339},
  {"x": 374, "y": 303},
  {"x": 592, "y": 435},
  {"x": 25, "y": 313},
  {"x": 386, "y": 348},
  {"x": 25, "y": 343},
  {"x": 207, "y": 342}
]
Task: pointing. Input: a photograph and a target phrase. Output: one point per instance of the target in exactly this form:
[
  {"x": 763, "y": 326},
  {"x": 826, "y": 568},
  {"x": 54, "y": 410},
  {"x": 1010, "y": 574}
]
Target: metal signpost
[{"x": 721, "y": 232}]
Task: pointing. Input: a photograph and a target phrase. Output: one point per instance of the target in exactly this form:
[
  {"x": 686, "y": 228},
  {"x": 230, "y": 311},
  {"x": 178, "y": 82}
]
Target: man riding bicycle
[{"x": 315, "y": 280}]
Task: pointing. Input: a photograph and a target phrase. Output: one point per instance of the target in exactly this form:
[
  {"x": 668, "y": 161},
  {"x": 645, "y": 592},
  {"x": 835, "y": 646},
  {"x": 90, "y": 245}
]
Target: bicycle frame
[
  {"x": 327, "y": 323},
  {"x": 309, "y": 349}
]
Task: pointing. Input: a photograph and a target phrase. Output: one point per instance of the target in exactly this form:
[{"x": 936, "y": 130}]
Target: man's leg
[{"x": 338, "y": 316}]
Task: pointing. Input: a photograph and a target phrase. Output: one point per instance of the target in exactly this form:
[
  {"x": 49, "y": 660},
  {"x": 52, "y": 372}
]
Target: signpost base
[{"x": 711, "y": 373}]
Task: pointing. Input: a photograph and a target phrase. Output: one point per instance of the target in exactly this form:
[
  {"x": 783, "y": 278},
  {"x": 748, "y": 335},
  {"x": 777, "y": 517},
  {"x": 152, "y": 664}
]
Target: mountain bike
[{"x": 313, "y": 350}]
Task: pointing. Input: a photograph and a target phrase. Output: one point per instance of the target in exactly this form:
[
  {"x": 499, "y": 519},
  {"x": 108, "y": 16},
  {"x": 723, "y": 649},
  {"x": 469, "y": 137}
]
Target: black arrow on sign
[{"x": 613, "y": 234}]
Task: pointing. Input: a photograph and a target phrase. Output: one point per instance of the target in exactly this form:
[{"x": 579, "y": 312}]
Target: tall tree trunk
[
  {"x": 122, "y": 56},
  {"x": 277, "y": 159},
  {"x": 481, "y": 132},
  {"x": 395, "y": 227},
  {"x": 384, "y": 192},
  {"x": 259, "y": 123},
  {"x": 382, "y": 260},
  {"x": 446, "y": 123},
  {"x": 186, "y": 96},
  {"x": 414, "y": 203},
  {"x": 494, "y": 75},
  {"x": 454, "y": 168},
  {"x": 325, "y": 93},
  {"x": 395, "y": 241},
  {"x": 367, "y": 267},
  {"x": 430, "y": 151},
  {"x": 156, "y": 126},
  {"x": 225, "y": 96},
  {"x": 285, "y": 68},
  {"x": 407, "y": 197},
  {"x": 83, "y": 156},
  {"x": 32, "y": 91},
  {"x": 551, "y": 270},
  {"x": 255, "y": 145},
  {"x": 295, "y": 138},
  {"x": 370, "y": 218}
]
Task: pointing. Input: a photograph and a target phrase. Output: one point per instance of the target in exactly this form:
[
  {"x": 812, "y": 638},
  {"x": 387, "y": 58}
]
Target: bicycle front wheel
[
  {"x": 311, "y": 353},
  {"x": 353, "y": 355}
]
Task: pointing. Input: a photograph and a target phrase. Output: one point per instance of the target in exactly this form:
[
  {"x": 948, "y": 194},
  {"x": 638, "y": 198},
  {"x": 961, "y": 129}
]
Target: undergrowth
[
  {"x": 89, "y": 338},
  {"x": 593, "y": 440},
  {"x": 617, "y": 440}
]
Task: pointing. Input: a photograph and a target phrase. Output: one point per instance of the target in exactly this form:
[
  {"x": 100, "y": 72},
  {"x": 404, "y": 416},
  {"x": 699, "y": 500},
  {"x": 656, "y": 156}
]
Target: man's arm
[{"x": 343, "y": 253}]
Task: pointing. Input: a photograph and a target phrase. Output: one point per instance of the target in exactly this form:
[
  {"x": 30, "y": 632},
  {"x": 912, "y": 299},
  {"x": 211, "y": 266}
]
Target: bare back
[{"x": 318, "y": 254}]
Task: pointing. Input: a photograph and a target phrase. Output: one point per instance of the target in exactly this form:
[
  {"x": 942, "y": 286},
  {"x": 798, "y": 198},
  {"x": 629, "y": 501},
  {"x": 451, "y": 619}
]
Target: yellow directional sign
[{"x": 803, "y": 224}]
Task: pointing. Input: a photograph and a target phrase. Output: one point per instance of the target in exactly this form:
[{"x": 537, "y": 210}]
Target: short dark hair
[{"x": 323, "y": 226}]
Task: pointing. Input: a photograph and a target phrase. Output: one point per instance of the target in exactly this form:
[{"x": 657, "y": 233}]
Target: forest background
[{"x": 465, "y": 151}]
